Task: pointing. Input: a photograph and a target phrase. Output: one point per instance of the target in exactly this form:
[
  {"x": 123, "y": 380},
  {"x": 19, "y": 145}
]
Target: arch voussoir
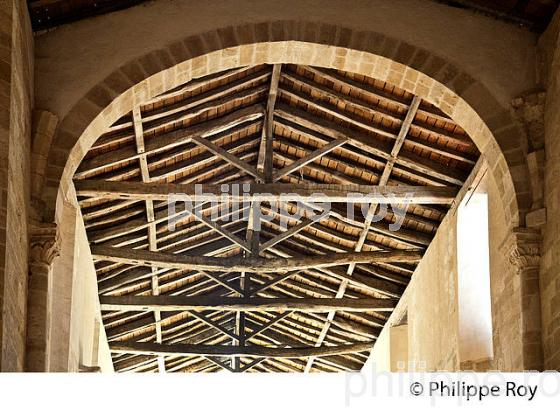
[{"x": 369, "y": 53}]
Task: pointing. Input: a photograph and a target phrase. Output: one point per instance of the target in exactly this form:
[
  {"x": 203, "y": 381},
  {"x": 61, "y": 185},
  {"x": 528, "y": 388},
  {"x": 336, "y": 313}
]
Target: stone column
[
  {"x": 523, "y": 249},
  {"x": 44, "y": 248}
]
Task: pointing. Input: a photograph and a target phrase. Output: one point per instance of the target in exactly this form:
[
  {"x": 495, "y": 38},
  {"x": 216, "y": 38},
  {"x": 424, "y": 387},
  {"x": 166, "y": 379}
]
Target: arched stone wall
[
  {"x": 131, "y": 56},
  {"x": 460, "y": 95}
]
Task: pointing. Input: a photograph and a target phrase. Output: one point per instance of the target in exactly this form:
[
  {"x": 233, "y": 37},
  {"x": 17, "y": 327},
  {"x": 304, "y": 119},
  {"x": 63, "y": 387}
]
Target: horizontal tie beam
[
  {"x": 181, "y": 350},
  {"x": 236, "y": 304},
  {"x": 253, "y": 264},
  {"x": 319, "y": 193}
]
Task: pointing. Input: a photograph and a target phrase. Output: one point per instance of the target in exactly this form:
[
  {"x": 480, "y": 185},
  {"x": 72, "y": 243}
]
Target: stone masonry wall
[
  {"x": 77, "y": 338},
  {"x": 505, "y": 293},
  {"x": 550, "y": 258},
  {"x": 5, "y": 92},
  {"x": 430, "y": 303},
  {"x": 16, "y": 101}
]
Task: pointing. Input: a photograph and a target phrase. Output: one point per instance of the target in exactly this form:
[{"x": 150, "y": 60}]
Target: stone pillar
[
  {"x": 529, "y": 110},
  {"x": 44, "y": 128},
  {"x": 44, "y": 248},
  {"x": 549, "y": 59},
  {"x": 16, "y": 100},
  {"x": 523, "y": 249}
]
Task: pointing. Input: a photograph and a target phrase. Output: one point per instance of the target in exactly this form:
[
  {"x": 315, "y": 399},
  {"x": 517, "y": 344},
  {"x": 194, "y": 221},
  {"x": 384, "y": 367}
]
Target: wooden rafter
[
  {"x": 269, "y": 324},
  {"x": 265, "y": 155},
  {"x": 290, "y": 232},
  {"x": 226, "y": 156},
  {"x": 202, "y": 317},
  {"x": 152, "y": 235},
  {"x": 294, "y": 166},
  {"x": 172, "y": 140},
  {"x": 363, "y": 141},
  {"x": 405, "y": 127}
]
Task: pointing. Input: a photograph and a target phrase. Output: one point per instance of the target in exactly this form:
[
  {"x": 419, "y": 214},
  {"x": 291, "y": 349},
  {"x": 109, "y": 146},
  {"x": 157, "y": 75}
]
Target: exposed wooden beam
[
  {"x": 173, "y": 162},
  {"x": 294, "y": 166},
  {"x": 375, "y": 279},
  {"x": 237, "y": 351},
  {"x": 375, "y": 283},
  {"x": 295, "y": 286},
  {"x": 350, "y": 157},
  {"x": 403, "y": 132},
  {"x": 199, "y": 83},
  {"x": 405, "y": 236},
  {"x": 226, "y": 156},
  {"x": 221, "y": 364},
  {"x": 371, "y": 283},
  {"x": 314, "y": 169},
  {"x": 209, "y": 109},
  {"x": 152, "y": 234},
  {"x": 216, "y": 278},
  {"x": 252, "y": 364},
  {"x": 273, "y": 282},
  {"x": 268, "y": 192},
  {"x": 365, "y": 142},
  {"x": 268, "y": 324},
  {"x": 166, "y": 303},
  {"x": 371, "y": 92},
  {"x": 368, "y": 282},
  {"x": 242, "y": 87},
  {"x": 172, "y": 139},
  {"x": 221, "y": 230},
  {"x": 265, "y": 163},
  {"x": 361, "y": 105},
  {"x": 162, "y": 214},
  {"x": 472, "y": 182},
  {"x": 287, "y": 233},
  {"x": 253, "y": 264},
  {"x": 204, "y": 102},
  {"x": 311, "y": 323},
  {"x": 133, "y": 363},
  {"x": 205, "y": 319}
]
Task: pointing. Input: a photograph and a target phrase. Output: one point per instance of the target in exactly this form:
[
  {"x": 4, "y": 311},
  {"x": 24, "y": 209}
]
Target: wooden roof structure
[
  {"x": 249, "y": 282},
  {"x": 531, "y": 14}
]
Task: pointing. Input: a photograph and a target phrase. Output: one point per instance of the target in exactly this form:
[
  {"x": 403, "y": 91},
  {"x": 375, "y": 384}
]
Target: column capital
[
  {"x": 44, "y": 243},
  {"x": 523, "y": 248}
]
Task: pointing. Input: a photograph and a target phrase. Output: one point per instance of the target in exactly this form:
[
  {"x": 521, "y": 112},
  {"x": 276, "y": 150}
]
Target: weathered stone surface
[
  {"x": 523, "y": 249},
  {"x": 524, "y": 157},
  {"x": 549, "y": 46},
  {"x": 15, "y": 136},
  {"x": 44, "y": 247}
]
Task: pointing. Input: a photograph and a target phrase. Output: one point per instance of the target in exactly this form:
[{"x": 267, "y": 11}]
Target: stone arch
[{"x": 422, "y": 72}]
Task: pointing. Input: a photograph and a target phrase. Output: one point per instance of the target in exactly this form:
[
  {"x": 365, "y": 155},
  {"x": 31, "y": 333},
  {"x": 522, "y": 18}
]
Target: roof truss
[{"x": 239, "y": 278}]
